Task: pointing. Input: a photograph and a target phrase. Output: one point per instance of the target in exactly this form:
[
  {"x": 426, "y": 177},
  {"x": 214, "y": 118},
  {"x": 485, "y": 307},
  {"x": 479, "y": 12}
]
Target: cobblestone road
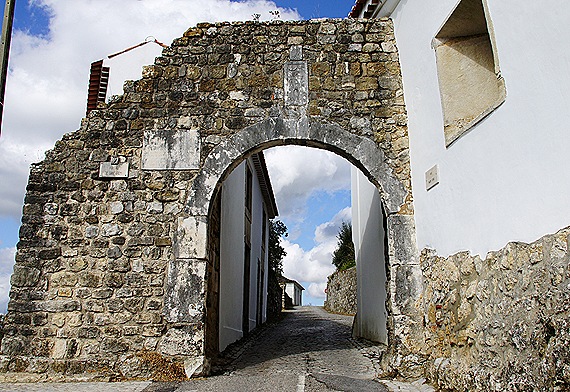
[{"x": 310, "y": 350}]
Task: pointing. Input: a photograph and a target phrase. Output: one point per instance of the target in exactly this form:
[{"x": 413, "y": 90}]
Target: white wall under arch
[
  {"x": 368, "y": 233},
  {"x": 232, "y": 250}
]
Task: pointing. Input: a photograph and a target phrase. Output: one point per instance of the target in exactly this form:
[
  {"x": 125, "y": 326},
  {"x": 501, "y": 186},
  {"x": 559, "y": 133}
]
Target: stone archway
[
  {"x": 110, "y": 275},
  {"x": 360, "y": 151}
]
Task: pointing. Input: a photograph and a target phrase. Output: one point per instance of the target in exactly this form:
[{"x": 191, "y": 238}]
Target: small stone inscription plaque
[
  {"x": 114, "y": 170},
  {"x": 296, "y": 83}
]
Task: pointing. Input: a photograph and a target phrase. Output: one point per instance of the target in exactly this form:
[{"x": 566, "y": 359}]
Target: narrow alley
[{"x": 309, "y": 350}]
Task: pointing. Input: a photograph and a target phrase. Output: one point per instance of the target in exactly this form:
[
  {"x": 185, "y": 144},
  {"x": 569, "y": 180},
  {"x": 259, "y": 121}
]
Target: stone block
[
  {"x": 196, "y": 366},
  {"x": 50, "y": 254},
  {"x": 406, "y": 288},
  {"x": 114, "y": 346},
  {"x": 180, "y": 341},
  {"x": 167, "y": 149},
  {"x": 116, "y": 207},
  {"x": 191, "y": 238},
  {"x": 296, "y": 52},
  {"x": 64, "y": 279},
  {"x": 110, "y": 229},
  {"x": 184, "y": 291},
  {"x": 25, "y": 276},
  {"x": 91, "y": 231},
  {"x": 402, "y": 244},
  {"x": 13, "y": 345},
  {"x": 296, "y": 84},
  {"x": 56, "y": 306},
  {"x": 114, "y": 279}
]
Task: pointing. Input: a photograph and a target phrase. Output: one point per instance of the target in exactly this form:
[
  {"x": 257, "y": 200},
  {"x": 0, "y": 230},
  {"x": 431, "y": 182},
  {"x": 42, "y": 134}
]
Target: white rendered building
[
  {"x": 247, "y": 204},
  {"x": 487, "y": 93},
  {"x": 294, "y": 290}
]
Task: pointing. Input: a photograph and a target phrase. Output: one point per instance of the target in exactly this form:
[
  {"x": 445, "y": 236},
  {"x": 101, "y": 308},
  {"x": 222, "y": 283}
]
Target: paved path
[{"x": 310, "y": 350}]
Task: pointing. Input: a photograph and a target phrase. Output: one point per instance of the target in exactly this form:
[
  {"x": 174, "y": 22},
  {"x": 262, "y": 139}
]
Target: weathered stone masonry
[
  {"x": 111, "y": 271},
  {"x": 501, "y": 323},
  {"x": 342, "y": 292}
]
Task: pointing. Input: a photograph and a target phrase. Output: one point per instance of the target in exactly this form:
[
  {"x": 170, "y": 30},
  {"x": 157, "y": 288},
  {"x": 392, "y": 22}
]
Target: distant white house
[
  {"x": 247, "y": 204},
  {"x": 292, "y": 289}
]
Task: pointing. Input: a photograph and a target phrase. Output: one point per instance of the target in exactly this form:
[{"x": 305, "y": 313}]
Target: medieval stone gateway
[{"x": 111, "y": 278}]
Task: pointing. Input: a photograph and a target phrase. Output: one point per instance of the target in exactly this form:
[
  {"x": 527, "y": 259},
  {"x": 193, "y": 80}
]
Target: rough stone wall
[
  {"x": 88, "y": 284},
  {"x": 342, "y": 292},
  {"x": 111, "y": 267},
  {"x": 502, "y": 323}
]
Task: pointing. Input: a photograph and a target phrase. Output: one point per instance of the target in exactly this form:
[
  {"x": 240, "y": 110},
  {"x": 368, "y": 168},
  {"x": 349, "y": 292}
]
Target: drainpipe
[{"x": 5, "y": 51}]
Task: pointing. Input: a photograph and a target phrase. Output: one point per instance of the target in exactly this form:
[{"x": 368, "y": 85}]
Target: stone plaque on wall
[
  {"x": 114, "y": 170},
  {"x": 168, "y": 149},
  {"x": 296, "y": 83}
]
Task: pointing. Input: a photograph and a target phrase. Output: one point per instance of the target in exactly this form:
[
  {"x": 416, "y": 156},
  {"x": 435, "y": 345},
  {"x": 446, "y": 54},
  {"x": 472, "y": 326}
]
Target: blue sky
[
  {"x": 31, "y": 18},
  {"x": 322, "y": 206},
  {"x": 35, "y": 18},
  {"x": 53, "y": 44},
  {"x": 319, "y": 8}
]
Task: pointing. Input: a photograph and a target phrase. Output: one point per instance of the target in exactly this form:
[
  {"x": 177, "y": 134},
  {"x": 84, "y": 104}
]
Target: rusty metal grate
[{"x": 98, "y": 83}]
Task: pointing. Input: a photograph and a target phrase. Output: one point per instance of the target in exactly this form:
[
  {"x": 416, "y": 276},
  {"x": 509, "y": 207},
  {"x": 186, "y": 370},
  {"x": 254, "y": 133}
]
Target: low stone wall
[
  {"x": 502, "y": 323},
  {"x": 341, "y": 292}
]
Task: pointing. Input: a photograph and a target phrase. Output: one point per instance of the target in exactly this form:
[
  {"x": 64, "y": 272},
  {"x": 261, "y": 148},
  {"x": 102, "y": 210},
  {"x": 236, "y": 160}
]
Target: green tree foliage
[
  {"x": 343, "y": 256},
  {"x": 276, "y": 252}
]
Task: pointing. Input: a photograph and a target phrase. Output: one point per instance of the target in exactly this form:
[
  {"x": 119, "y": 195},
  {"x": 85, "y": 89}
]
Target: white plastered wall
[
  {"x": 231, "y": 257},
  {"x": 507, "y": 179},
  {"x": 295, "y": 293},
  {"x": 256, "y": 237},
  {"x": 368, "y": 237},
  {"x": 290, "y": 291}
]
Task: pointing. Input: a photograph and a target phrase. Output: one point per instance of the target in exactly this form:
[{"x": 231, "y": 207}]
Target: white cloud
[
  {"x": 325, "y": 231},
  {"x": 317, "y": 290},
  {"x": 308, "y": 266},
  {"x": 314, "y": 265},
  {"x": 46, "y": 90},
  {"x": 6, "y": 267},
  {"x": 297, "y": 172}
]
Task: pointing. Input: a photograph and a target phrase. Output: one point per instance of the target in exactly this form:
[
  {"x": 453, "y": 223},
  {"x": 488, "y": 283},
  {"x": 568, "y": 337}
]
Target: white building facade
[
  {"x": 247, "y": 204},
  {"x": 487, "y": 94},
  {"x": 505, "y": 177},
  {"x": 295, "y": 291}
]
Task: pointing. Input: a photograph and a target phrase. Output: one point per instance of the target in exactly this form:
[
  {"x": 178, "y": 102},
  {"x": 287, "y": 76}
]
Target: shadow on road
[{"x": 302, "y": 330}]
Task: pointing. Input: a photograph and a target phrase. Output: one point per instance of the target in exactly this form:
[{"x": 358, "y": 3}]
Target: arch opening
[
  {"x": 237, "y": 296},
  {"x": 397, "y": 243}
]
